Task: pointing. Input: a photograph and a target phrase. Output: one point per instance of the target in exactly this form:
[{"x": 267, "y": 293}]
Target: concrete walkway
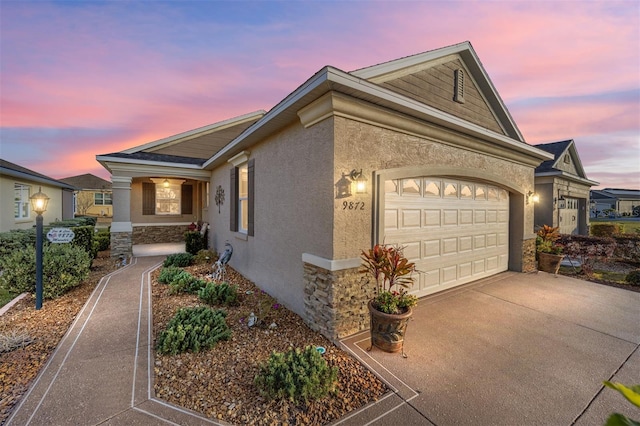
[{"x": 511, "y": 349}]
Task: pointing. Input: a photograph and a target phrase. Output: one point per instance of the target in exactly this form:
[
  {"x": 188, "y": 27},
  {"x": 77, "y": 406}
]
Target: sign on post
[{"x": 60, "y": 235}]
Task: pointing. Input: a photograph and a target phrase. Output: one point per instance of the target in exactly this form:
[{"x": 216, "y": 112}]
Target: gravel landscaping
[{"x": 218, "y": 382}]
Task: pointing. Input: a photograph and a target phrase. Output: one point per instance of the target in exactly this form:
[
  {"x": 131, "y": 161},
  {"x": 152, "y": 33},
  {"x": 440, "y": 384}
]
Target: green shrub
[
  {"x": 193, "y": 329},
  {"x": 64, "y": 266},
  {"x": 219, "y": 294},
  {"x": 633, "y": 277},
  {"x": 298, "y": 375},
  {"x": 168, "y": 274},
  {"x": 205, "y": 256},
  {"x": 194, "y": 242},
  {"x": 17, "y": 240},
  {"x": 102, "y": 240},
  {"x": 605, "y": 229},
  {"x": 178, "y": 259},
  {"x": 184, "y": 282}
]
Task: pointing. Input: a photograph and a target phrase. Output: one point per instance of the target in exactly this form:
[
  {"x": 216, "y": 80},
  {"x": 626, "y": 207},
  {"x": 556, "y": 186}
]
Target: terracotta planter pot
[
  {"x": 388, "y": 330},
  {"x": 548, "y": 262}
]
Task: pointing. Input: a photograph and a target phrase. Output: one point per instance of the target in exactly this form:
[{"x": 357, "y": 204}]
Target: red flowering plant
[{"x": 393, "y": 275}]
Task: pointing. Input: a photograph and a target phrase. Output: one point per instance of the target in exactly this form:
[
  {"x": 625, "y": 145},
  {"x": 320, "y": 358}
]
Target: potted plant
[
  {"x": 550, "y": 253},
  {"x": 390, "y": 308}
]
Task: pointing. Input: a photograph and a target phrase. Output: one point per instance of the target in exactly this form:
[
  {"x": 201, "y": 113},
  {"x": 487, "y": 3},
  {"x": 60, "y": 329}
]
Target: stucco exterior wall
[
  {"x": 8, "y": 221},
  {"x": 293, "y": 210},
  {"x": 551, "y": 189},
  {"x": 297, "y": 212}
]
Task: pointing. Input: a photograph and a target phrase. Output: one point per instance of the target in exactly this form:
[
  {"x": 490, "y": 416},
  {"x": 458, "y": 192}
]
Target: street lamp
[{"x": 39, "y": 203}]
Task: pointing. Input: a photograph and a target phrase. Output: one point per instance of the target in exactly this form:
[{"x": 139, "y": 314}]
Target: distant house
[
  {"x": 563, "y": 188},
  {"x": 419, "y": 152},
  {"x": 17, "y": 184},
  {"x": 615, "y": 201},
  {"x": 93, "y": 196}
]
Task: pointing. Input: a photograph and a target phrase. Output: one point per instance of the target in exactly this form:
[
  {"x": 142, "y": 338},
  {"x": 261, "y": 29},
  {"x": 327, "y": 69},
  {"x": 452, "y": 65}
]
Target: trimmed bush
[
  {"x": 64, "y": 266},
  {"x": 193, "y": 329},
  {"x": 298, "y": 375},
  {"x": 168, "y": 274},
  {"x": 178, "y": 259},
  {"x": 17, "y": 240},
  {"x": 102, "y": 240},
  {"x": 194, "y": 242},
  {"x": 633, "y": 277},
  {"x": 219, "y": 294},
  {"x": 205, "y": 256},
  {"x": 184, "y": 282}
]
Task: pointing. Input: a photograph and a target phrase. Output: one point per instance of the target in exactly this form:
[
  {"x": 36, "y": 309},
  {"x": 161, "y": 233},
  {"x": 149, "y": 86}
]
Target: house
[
  {"x": 563, "y": 188},
  {"x": 615, "y": 201},
  {"x": 20, "y": 183},
  {"x": 419, "y": 151},
  {"x": 93, "y": 198}
]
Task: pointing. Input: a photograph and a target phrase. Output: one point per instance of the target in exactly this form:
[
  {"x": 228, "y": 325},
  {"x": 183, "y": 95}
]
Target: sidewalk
[{"x": 101, "y": 371}]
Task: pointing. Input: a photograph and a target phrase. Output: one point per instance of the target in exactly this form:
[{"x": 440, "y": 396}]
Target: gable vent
[
  {"x": 458, "y": 89},
  {"x": 567, "y": 158}
]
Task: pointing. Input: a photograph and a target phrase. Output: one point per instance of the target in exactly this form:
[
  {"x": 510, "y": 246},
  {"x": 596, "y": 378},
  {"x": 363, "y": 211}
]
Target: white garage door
[
  {"x": 568, "y": 209},
  {"x": 456, "y": 231}
]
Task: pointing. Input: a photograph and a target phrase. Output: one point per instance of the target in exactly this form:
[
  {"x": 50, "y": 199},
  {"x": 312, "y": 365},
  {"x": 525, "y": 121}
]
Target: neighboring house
[
  {"x": 93, "y": 198},
  {"x": 17, "y": 184},
  {"x": 615, "y": 201},
  {"x": 419, "y": 152},
  {"x": 563, "y": 188}
]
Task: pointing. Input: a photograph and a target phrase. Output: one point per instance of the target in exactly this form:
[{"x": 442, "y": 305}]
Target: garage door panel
[
  {"x": 432, "y": 217},
  {"x": 466, "y": 217},
  {"x": 449, "y": 246},
  {"x": 454, "y": 235},
  {"x": 411, "y": 251},
  {"x": 465, "y": 244},
  {"x": 390, "y": 219},
  {"x": 410, "y": 218},
  {"x": 431, "y": 248},
  {"x": 450, "y": 217}
]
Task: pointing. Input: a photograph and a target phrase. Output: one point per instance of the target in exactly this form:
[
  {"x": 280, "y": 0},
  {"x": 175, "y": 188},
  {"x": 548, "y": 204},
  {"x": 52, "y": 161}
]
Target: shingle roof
[
  {"x": 87, "y": 181},
  {"x": 555, "y": 148},
  {"x": 12, "y": 169},
  {"x": 159, "y": 158}
]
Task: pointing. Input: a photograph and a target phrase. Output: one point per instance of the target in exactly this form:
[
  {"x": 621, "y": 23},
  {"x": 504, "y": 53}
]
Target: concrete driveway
[{"x": 512, "y": 349}]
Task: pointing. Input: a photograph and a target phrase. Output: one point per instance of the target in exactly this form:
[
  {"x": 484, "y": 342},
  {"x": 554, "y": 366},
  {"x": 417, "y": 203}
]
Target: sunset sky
[{"x": 81, "y": 78}]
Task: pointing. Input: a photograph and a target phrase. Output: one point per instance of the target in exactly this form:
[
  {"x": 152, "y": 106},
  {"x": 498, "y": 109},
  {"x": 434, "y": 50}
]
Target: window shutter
[
  {"x": 234, "y": 199},
  {"x": 187, "y": 199},
  {"x": 148, "y": 198},
  {"x": 251, "y": 192}
]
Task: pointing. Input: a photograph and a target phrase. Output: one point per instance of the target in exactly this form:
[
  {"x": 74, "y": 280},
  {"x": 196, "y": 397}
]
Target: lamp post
[{"x": 39, "y": 203}]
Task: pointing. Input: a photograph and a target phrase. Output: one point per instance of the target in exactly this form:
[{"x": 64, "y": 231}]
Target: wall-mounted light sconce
[
  {"x": 360, "y": 180},
  {"x": 532, "y": 197},
  {"x": 343, "y": 186},
  {"x": 165, "y": 183}
]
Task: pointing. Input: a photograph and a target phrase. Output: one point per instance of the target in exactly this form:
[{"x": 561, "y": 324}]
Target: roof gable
[
  {"x": 565, "y": 158},
  {"x": 200, "y": 143},
  {"x": 432, "y": 78},
  {"x": 87, "y": 181}
]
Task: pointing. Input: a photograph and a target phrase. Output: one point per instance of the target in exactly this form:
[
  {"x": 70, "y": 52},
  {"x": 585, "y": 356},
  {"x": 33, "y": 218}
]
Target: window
[
  {"x": 21, "y": 197},
  {"x": 242, "y": 194},
  {"x": 102, "y": 199},
  {"x": 165, "y": 197}
]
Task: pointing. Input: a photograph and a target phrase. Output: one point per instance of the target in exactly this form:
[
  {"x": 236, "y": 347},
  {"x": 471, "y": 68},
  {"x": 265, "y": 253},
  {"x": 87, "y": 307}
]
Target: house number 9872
[{"x": 352, "y": 205}]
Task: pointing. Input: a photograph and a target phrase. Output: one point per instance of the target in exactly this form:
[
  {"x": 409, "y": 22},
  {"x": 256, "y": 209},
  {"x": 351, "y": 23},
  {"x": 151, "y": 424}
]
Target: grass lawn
[{"x": 630, "y": 226}]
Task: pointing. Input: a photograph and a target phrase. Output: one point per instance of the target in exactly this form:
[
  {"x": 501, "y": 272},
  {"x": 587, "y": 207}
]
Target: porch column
[{"x": 121, "y": 228}]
